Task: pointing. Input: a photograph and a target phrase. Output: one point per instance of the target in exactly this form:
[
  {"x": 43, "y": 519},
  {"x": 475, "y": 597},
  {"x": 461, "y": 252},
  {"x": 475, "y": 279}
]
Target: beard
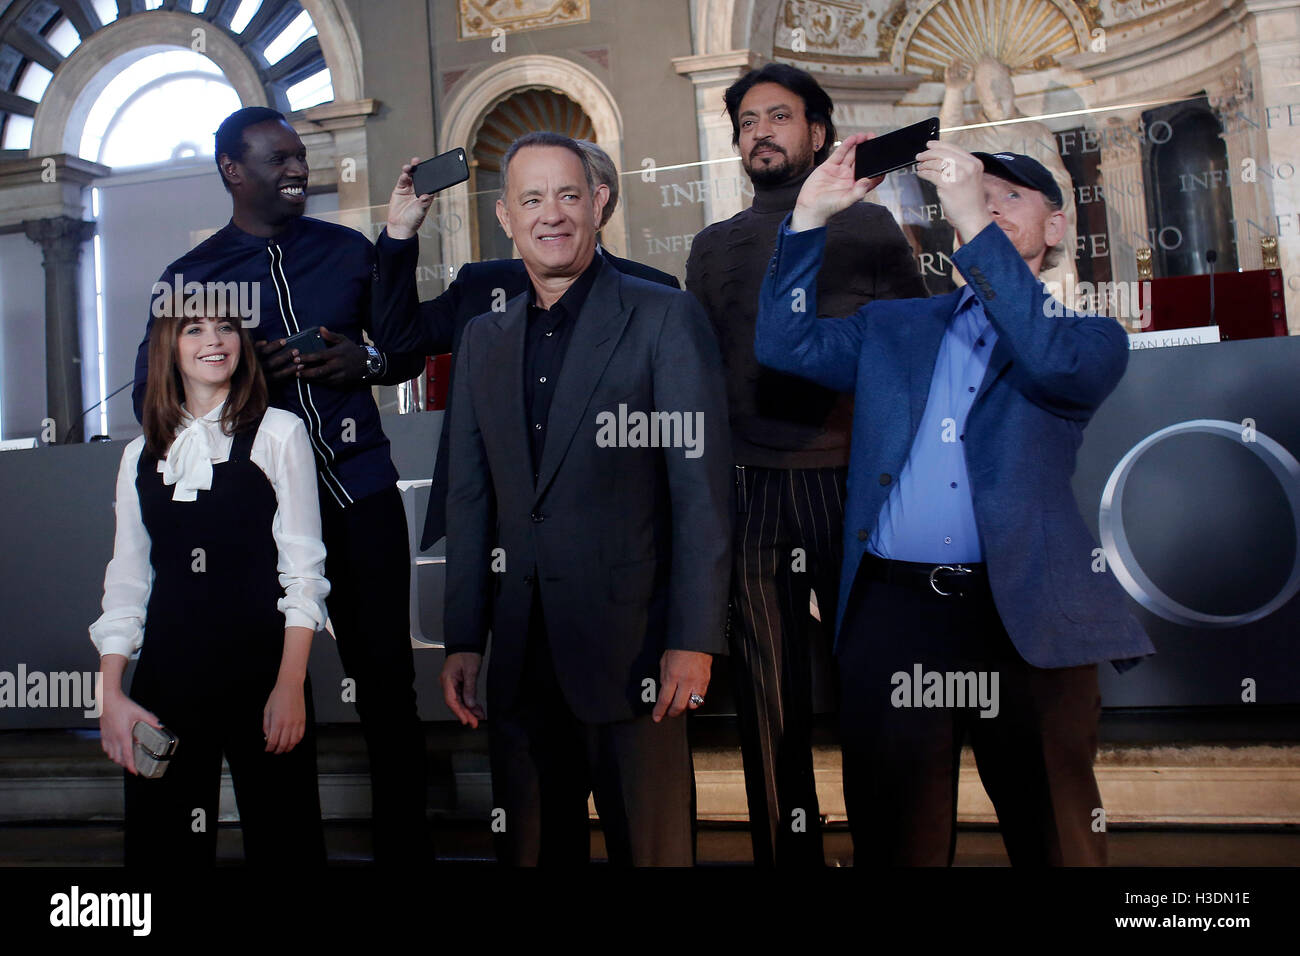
[{"x": 782, "y": 170}]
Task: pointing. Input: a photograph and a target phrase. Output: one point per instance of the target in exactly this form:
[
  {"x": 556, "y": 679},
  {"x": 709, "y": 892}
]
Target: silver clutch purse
[{"x": 154, "y": 748}]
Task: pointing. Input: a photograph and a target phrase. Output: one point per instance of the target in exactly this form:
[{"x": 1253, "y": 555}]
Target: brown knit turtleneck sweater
[{"x": 778, "y": 420}]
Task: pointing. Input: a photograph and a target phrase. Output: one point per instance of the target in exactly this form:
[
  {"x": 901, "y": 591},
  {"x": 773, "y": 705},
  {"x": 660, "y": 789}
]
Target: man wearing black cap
[{"x": 968, "y": 605}]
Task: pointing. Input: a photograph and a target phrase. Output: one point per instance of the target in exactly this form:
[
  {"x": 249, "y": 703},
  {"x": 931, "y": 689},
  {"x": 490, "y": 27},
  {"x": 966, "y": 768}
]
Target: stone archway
[
  {"x": 484, "y": 89},
  {"x": 728, "y": 38},
  {"x": 517, "y": 114},
  {"x": 724, "y": 26},
  {"x": 340, "y": 44}
]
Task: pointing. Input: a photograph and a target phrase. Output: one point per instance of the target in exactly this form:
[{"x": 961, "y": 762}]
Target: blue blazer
[{"x": 1045, "y": 379}]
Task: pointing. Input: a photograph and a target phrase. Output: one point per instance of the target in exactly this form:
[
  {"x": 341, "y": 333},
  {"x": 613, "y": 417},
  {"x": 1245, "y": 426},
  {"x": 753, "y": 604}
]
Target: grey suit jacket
[{"x": 627, "y": 532}]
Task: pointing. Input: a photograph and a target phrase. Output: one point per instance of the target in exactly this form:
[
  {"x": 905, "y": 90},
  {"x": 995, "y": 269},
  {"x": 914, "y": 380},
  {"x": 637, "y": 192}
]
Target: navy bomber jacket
[{"x": 312, "y": 274}]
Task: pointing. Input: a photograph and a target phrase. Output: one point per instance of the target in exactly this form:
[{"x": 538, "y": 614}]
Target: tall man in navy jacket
[{"x": 968, "y": 606}]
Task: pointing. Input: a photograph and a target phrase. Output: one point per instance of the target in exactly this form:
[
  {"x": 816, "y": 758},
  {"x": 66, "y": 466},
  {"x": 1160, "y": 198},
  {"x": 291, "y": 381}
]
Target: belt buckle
[{"x": 947, "y": 567}]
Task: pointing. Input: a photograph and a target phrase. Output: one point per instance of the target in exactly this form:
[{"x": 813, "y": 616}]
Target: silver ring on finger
[{"x": 697, "y": 700}]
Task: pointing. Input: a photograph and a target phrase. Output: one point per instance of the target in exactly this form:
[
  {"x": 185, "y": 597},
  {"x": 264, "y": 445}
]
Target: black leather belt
[{"x": 945, "y": 580}]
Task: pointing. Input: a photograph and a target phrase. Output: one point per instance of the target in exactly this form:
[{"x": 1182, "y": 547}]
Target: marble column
[
  {"x": 1246, "y": 143},
  {"x": 338, "y": 155},
  {"x": 711, "y": 74},
  {"x": 1122, "y": 186},
  {"x": 60, "y": 239},
  {"x": 1278, "y": 77}
]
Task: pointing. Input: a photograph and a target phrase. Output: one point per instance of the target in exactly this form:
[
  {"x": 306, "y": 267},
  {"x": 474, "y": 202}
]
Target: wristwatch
[{"x": 374, "y": 363}]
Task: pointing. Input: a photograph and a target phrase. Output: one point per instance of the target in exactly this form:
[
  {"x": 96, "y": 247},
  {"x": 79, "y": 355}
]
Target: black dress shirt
[{"x": 545, "y": 343}]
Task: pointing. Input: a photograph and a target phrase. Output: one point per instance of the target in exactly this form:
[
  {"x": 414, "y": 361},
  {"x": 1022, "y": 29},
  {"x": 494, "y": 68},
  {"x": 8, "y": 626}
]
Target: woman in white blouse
[{"x": 217, "y": 585}]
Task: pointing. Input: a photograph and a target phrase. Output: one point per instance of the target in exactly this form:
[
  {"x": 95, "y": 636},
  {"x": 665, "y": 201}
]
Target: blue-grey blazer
[{"x": 1046, "y": 377}]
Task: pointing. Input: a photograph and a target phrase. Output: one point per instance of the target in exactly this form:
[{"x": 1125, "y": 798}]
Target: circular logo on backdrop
[{"x": 1119, "y": 554}]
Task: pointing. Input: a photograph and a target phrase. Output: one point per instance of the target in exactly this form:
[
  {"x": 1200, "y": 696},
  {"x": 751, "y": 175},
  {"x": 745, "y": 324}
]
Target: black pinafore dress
[
  {"x": 213, "y": 635},
  {"x": 213, "y": 640}
]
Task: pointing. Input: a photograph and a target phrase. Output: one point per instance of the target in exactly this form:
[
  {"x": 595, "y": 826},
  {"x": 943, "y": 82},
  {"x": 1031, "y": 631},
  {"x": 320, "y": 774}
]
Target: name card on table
[{"x": 1199, "y": 335}]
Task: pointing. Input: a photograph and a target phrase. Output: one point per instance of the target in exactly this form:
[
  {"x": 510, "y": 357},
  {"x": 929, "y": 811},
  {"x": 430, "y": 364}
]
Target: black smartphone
[
  {"x": 894, "y": 150},
  {"x": 435, "y": 175},
  {"x": 307, "y": 341}
]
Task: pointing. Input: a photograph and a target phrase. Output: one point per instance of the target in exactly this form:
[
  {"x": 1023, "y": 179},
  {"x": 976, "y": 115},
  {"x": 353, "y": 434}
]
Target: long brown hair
[{"x": 165, "y": 390}]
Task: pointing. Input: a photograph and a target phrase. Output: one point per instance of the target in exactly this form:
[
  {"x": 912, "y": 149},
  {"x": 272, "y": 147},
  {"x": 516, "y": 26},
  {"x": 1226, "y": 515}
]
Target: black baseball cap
[{"x": 1024, "y": 170}]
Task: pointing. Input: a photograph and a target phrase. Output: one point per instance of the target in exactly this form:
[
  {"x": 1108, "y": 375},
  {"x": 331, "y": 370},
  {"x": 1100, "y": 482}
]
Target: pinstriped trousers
[{"x": 789, "y": 526}]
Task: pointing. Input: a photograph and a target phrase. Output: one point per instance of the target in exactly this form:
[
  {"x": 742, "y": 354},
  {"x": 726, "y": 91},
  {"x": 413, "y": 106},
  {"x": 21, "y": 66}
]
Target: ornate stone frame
[
  {"x": 917, "y": 14},
  {"x": 479, "y": 91}
]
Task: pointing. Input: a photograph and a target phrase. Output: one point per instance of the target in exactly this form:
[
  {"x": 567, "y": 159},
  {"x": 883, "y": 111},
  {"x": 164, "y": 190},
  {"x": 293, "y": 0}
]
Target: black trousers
[
  {"x": 368, "y": 565},
  {"x": 901, "y": 762},
  {"x": 546, "y": 762},
  {"x": 171, "y": 821},
  {"x": 788, "y": 543}
]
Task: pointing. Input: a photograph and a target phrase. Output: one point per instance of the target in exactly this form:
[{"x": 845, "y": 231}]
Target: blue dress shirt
[{"x": 929, "y": 516}]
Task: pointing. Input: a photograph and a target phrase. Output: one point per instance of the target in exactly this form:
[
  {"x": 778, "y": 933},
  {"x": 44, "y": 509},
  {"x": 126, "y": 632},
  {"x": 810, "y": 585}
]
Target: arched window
[
  {"x": 1184, "y": 155},
  {"x": 165, "y": 106},
  {"x": 278, "y": 37}
]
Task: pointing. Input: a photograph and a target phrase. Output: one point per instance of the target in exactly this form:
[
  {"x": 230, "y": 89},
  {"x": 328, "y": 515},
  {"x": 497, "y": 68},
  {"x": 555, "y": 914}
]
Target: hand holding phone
[
  {"x": 958, "y": 178},
  {"x": 416, "y": 184},
  {"x": 831, "y": 187},
  {"x": 306, "y": 342}
]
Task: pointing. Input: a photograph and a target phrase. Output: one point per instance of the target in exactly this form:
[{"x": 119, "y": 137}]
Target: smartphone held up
[
  {"x": 894, "y": 150},
  {"x": 440, "y": 172}
]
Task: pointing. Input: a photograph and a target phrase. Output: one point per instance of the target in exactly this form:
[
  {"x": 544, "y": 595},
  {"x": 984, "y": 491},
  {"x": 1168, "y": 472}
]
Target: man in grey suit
[
  {"x": 588, "y": 529},
  {"x": 437, "y": 326}
]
